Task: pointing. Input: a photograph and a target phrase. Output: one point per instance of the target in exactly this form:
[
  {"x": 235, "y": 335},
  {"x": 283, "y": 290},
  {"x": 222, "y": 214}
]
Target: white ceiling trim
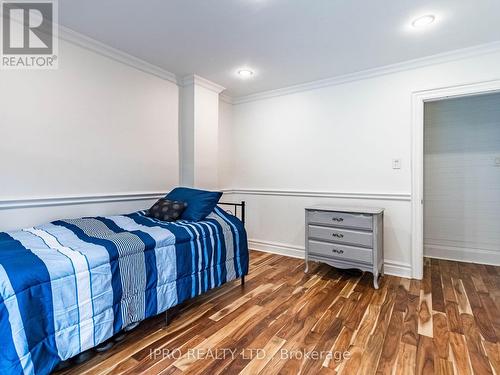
[
  {"x": 226, "y": 99},
  {"x": 93, "y": 45},
  {"x": 455, "y": 55},
  {"x": 193, "y": 79}
]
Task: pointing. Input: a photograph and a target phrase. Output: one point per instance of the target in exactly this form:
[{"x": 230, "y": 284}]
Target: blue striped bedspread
[{"x": 70, "y": 285}]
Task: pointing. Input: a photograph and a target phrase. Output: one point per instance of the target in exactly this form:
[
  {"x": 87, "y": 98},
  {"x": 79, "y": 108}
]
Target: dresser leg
[
  {"x": 307, "y": 267},
  {"x": 375, "y": 281}
]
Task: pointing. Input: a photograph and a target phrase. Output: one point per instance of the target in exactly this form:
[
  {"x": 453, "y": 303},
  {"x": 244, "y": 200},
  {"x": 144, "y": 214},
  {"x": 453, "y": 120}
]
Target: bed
[{"x": 70, "y": 285}]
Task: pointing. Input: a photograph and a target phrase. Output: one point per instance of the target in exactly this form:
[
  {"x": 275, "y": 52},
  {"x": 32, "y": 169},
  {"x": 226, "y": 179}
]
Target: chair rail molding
[
  {"x": 321, "y": 194},
  {"x": 30, "y": 202}
]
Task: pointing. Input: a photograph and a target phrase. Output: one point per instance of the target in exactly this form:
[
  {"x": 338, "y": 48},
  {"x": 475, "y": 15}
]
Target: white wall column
[{"x": 199, "y": 132}]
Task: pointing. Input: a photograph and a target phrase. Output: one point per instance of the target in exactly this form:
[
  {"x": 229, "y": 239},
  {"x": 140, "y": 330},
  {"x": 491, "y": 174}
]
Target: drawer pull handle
[
  {"x": 338, "y": 251},
  {"x": 338, "y": 235},
  {"x": 339, "y": 219}
]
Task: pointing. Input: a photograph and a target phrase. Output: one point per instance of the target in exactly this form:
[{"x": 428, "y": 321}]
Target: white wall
[
  {"x": 226, "y": 146},
  {"x": 336, "y": 142},
  {"x": 186, "y": 139},
  {"x": 461, "y": 180},
  {"x": 92, "y": 127},
  {"x": 206, "y": 138},
  {"x": 200, "y": 133}
]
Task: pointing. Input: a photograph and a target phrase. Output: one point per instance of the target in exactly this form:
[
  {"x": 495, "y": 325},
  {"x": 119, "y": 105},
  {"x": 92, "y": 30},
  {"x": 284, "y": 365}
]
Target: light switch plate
[
  {"x": 497, "y": 161},
  {"x": 396, "y": 163}
]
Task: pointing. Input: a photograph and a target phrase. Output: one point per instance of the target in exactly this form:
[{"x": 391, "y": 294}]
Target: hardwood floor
[{"x": 325, "y": 322}]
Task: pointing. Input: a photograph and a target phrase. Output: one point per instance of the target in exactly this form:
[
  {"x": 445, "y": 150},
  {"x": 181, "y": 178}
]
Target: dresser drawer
[
  {"x": 344, "y": 236},
  {"x": 341, "y": 219},
  {"x": 330, "y": 250}
]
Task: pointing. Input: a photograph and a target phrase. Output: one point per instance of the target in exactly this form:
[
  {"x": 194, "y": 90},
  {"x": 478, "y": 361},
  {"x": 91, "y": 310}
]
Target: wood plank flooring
[{"x": 328, "y": 321}]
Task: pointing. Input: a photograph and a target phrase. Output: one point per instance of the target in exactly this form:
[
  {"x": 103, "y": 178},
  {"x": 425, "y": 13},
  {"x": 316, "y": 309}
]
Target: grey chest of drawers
[{"x": 346, "y": 237}]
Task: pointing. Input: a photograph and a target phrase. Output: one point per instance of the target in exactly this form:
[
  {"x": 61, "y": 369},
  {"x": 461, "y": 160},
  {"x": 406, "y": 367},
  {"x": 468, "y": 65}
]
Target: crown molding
[
  {"x": 31, "y": 202},
  {"x": 441, "y": 58},
  {"x": 102, "y": 49},
  {"x": 226, "y": 99},
  {"x": 322, "y": 194},
  {"x": 194, "y": 79}
]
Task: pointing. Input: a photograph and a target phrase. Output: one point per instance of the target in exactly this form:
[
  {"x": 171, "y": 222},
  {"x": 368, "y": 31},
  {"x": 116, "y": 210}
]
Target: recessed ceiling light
[
  {"x": 245, "y": 73},
  {"x": 423, "y": 21}
]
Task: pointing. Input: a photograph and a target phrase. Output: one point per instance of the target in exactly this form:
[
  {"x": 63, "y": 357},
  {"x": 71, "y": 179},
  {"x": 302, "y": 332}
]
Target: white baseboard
[
  {"x": 395, "y": 268},
  {"x": 391, "y": 267},
  {"x": 277, "y": 248},
  {"x": 462, "y": 254}
]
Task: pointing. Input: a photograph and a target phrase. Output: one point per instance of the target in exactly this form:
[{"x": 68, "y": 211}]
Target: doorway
[
  {"x": 417, "y": 159},
  {"x": 462, "y": 179}
]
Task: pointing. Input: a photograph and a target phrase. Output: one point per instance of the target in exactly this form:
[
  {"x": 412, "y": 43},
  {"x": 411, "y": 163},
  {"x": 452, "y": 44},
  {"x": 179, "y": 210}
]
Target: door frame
[{"x": 419, "y": 98}]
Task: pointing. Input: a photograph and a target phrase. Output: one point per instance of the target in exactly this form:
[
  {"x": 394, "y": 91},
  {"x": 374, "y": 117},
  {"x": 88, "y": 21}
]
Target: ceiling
[{"x": 285, "y": 42}]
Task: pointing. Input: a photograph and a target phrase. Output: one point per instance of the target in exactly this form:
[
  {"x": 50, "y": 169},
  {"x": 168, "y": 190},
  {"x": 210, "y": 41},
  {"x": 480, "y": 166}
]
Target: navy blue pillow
[{"x": 200, "y": 203}]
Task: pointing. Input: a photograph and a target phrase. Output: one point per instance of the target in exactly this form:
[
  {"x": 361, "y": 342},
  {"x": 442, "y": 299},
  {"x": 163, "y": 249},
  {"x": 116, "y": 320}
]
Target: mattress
[{"x": 70, "y": 285}]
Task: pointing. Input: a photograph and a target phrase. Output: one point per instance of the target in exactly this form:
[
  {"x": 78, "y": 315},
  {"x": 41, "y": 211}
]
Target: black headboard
[{"x": 239, "y": 209}]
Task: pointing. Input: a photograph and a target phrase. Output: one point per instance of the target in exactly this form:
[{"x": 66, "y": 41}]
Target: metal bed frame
[
  {"x": 239, "y": 209},
  {"x": 242, "y": 218}
]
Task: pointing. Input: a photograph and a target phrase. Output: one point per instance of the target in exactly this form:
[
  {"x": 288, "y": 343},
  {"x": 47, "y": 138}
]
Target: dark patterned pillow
[{"x": 167, "y": 210}]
